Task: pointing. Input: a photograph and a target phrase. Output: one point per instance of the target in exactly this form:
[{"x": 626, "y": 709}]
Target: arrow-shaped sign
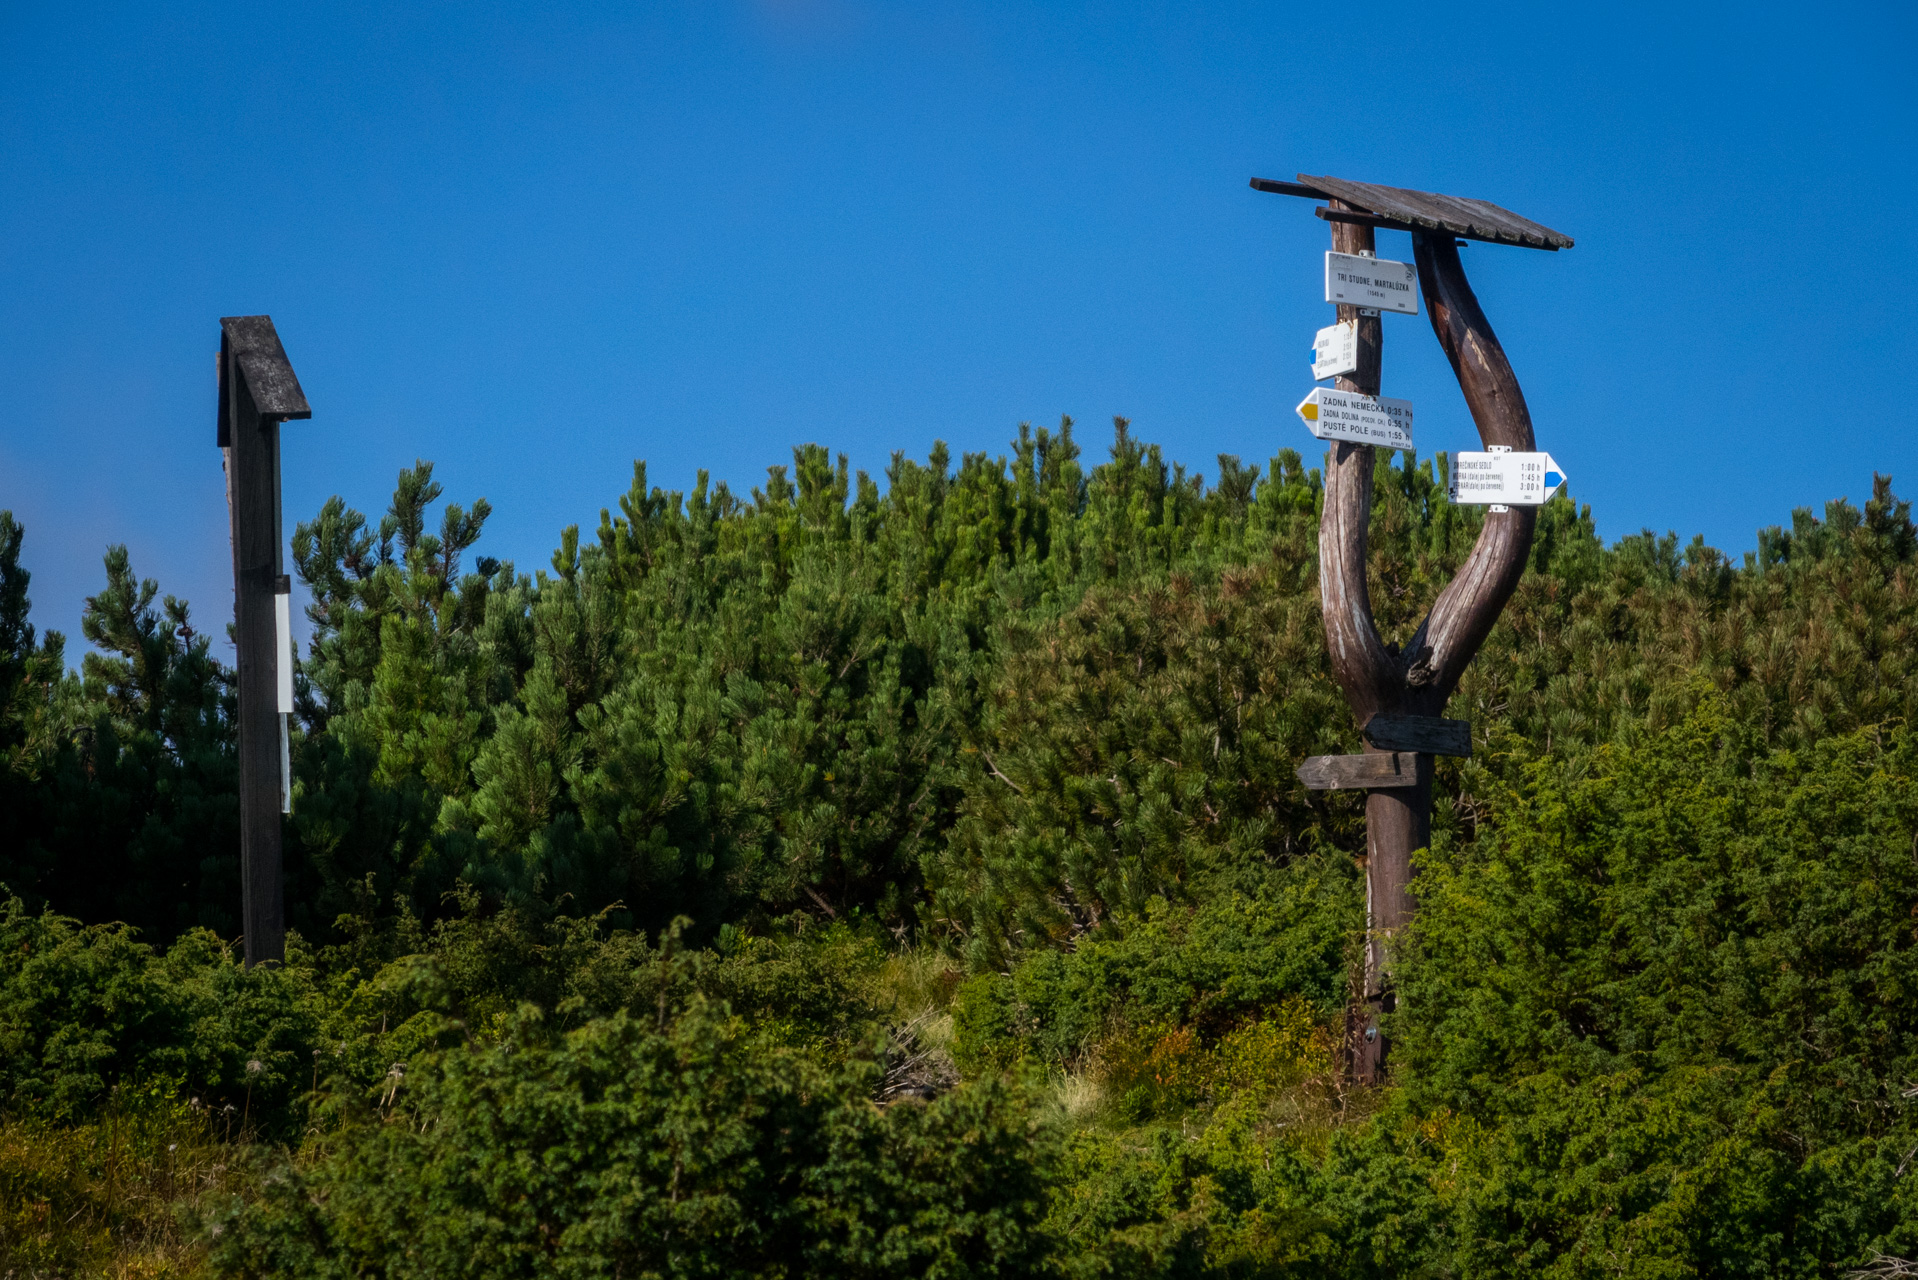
[
  {"x": 1347, "y": 415},
  {"x": 1503, "y": 478}
]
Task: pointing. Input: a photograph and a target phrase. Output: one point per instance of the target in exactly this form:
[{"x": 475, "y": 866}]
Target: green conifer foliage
[
  {"x": 642, "y": 1147},
  {"x": 717, "y": 828},
  {"x": 35, "y": 702},
  {"x": 121, "y": 780}
]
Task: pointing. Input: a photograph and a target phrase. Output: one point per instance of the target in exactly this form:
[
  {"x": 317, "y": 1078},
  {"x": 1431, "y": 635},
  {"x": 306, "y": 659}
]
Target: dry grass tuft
[
  {"x": 112, "y": 1196},
  {"x": 915, "y": 989}
]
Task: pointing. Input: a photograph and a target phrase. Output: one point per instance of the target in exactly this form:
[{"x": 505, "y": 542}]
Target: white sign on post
[
  {"x": 283, "y": 639},
  {"x": 1335, "y": 350},
  {"x": 1502, "y": 478},
  {"x": 1372, "y": 282},
  {"x": 1347, "y": 415}
]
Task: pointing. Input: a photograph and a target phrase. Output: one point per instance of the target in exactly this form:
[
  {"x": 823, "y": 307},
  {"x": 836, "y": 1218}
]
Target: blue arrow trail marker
[{"x": 1502, "y": 478}]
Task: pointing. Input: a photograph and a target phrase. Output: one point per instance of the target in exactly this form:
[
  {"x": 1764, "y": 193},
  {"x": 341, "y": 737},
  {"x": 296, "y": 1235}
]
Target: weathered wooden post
[
  {"x": 1397, "y": 695},
  {"x": 258, "y": 391}
]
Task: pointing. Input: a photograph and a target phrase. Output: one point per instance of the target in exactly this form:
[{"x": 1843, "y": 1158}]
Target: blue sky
[{"x": 533, "y": 243}]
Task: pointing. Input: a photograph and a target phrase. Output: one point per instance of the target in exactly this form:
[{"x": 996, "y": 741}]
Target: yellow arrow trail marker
[{"x": 1347, "y": 415}]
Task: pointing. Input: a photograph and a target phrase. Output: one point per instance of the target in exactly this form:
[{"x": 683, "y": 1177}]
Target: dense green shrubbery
[
  {"x": 642, "y": 901},
  {"x": 447, "y": 1085},
  {"x": 999, "y": 703},
  {"x": 1283, "y": 934},
  {"x": 1657, "y": 1021},
  {"x": 678, "y": 1147},
  {"x": 1675, "y": 989},
  {"x": 86, "y": 1009}
]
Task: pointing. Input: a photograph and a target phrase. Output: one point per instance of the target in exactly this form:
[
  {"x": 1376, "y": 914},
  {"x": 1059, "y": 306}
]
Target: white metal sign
[
  {"x": 283, "y": 637},
  {"x": 1503, "y": 478},
  {"x": 1346, "y": 415},
  {"x": 1335, "y": 350},
  {"x": 1372, "y": 282}
]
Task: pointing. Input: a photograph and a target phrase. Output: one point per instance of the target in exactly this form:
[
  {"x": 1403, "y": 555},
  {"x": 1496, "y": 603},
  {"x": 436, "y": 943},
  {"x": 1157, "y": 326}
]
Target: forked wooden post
[
  {"x": 1397, "y": 695},
  {"x": 258, "y": 391}
]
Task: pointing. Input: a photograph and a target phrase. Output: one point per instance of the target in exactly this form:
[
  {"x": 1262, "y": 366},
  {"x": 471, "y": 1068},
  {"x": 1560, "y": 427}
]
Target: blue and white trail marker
[
  {"x": 1335, "y": 350},
  {"x": 1502, "y": 478}
]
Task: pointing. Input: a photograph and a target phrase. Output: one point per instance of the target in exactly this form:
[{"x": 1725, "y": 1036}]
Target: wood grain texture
[
  {"x": 1468, "y": 607},
  {"x": 1369, "y": 675},
  {"x": 1429, "y": 734},
  {"x": 1420, "y": 678},
  {"x": 1397, "y": 822},
  {"x": 1430, "y": 211},
  {"x": 254, "y": 344},
  {"x": 1358, "y": 773},
  {"x": 1365, "y": 671},
  {"x": 1398, "y": 224}
]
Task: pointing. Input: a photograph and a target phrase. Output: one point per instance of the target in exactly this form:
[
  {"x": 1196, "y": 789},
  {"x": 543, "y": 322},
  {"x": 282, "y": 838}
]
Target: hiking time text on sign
[
  {"x": 1372, "y": 282},
  {"x": 1335, "y": 350},
  {"x": 1504, "y": 478},
  {"x": 1347, "y": 415}
]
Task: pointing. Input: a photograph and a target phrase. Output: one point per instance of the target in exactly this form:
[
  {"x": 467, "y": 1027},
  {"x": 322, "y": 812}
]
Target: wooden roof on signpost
[
  {"x": 1397, "y": 209},
  {"x": 254, "y": 344}
]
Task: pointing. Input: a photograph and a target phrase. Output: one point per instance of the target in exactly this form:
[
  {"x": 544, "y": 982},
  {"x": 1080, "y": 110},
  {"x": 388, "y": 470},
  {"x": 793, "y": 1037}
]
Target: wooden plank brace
[
  {"x": 1430, "y": 734},
  {"x": 1359, "y": 773}
]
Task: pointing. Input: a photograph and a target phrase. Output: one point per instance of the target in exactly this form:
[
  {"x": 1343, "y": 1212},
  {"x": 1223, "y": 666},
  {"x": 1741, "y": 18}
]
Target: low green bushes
[
  {"x": 688, "y": 1147},
  {"x": 88, "y": 1009},
  {"x": 1268, "y": 936}
]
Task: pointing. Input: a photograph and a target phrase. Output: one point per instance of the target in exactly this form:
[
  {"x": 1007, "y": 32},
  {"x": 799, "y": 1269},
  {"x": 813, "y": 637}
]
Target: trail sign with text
[
  {"x": 1347, "y": 415},
  {"x": 1335, "y": 350},
  {"x": 1504, "y": 478},
  {"x": 1372, "y": 282}
]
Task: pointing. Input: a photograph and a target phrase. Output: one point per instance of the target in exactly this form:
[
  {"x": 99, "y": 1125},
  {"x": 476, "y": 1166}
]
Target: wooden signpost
[
  {"x": 258, "y": 391},
  {"x": 1397, "y": 695}
]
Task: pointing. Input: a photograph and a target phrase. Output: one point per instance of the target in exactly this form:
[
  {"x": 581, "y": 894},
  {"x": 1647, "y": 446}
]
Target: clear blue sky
[{"x": 533, "y": 243}]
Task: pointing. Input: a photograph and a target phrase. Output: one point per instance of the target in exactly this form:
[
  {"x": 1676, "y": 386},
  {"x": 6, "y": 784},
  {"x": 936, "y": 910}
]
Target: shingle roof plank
[
  {"x": 1436, "y": 212},
  {"x": 269, "y": 374}
]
